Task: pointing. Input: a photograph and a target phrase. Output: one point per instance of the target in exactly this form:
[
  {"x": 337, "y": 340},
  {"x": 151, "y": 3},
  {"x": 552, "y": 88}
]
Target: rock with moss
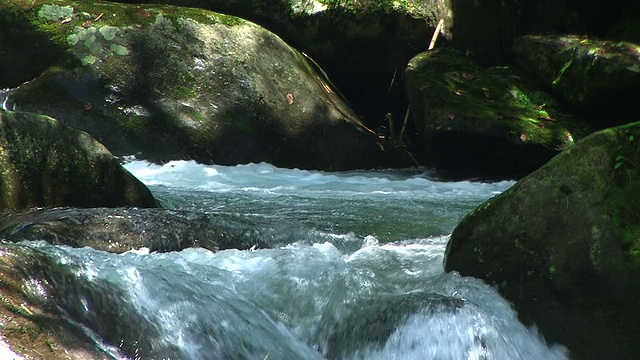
[
  {"x": 41, "y": 293},
  {"x": 563, "y": 245},
  {"x": 362, "y": 45},
  {"x": 166, "y": 82},
  {"x": 484, "y": 122},
  {"x": 599, "y": 78},
  {"x": 45, "y": 164}
]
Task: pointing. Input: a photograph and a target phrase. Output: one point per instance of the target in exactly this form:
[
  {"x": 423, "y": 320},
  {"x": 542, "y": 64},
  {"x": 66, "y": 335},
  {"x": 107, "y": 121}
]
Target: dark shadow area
[
  {"x": 488, "y": 27},
  {"x": 462, "y": 155},
  {"x": 24, "y": 52}
]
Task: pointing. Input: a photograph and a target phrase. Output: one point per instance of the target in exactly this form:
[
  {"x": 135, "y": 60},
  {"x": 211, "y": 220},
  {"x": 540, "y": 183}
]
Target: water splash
[
  {"x": 5, "y": 103},
  {"x": 390, "y": 301}
]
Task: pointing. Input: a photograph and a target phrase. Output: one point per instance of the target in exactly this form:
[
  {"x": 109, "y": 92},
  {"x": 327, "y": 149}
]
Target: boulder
[
  {"x": 362, "y": 45},
  {"x": 563, "y": 245},
  {"x": 46, "y": 164},
  {"x": 166, "y": 82},
  {"x": 121, "y": 229},
  {"x": 601, "y": 79},
  {"x": 484, "y": 122},
  {"x": 375, "y": 320}
]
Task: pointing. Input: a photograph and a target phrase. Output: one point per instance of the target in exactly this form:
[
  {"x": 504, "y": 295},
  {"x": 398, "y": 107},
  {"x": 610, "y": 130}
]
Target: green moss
[
  {"x": 119, "y": 49},
  {"x": 417, "y": 8},
  {"x": 136, "y": 126},
  {"x": 498, "y": 96},
  {"x": 623, "y": 201}
]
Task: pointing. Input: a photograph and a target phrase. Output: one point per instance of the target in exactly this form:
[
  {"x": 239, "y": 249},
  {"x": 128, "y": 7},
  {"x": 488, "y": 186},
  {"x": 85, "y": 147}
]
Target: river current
[{"x": 356, "y": 274}]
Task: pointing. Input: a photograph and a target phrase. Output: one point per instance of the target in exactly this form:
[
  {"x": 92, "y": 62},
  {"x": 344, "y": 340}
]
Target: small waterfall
[{"x": 5, "y": 103}]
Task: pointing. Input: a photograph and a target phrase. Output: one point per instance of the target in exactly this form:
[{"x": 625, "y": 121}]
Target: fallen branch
[
  {"x": 435, "y": 34},
  {"x": 404, "y": 124}
]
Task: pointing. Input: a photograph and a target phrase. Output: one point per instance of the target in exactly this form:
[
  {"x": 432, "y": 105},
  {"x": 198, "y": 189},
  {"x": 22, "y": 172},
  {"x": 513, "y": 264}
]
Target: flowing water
[
  {"x": 5, "y": 103},
  {"x": 359, "y": 276}
]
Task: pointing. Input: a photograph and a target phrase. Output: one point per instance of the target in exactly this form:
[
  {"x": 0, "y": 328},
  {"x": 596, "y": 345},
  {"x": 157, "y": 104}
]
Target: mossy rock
[
  {"x": 362, "y": 45},
  {"x": 166, "y": 82},
  {"x": 484, "y": 122},
  {"x": 46, "y": 164},
  {"x": 563, "y": 245},
  {"x": 601, "y": 79},
  {"x": 41, "y": 293}
]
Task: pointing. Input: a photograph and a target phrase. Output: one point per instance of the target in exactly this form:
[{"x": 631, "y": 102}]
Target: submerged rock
[
  {"x": 44, "y": 294},
  {"x": 120, "y": 229},
  {"x": 33, "y": 328},
  {"x": 563, "y": 246},
  {"x": 165, "y": 82},
  {"x": 599, "y": 78},
  {"x": 373, "y": 322},
  {"x": 486, "y": 122},
  {"x": 45, "y": 164}
]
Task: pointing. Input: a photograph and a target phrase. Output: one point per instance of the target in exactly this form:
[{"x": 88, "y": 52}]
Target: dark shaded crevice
[
  {"x": 459, "y": 155},
  {"x": 25, "y": 53}
]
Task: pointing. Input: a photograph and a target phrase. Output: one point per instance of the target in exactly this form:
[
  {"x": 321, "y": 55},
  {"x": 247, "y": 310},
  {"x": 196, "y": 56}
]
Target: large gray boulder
[
  {"x": 362, "y": 45},
  {"x": 563, "y": 245},
  {"x": 166, "y": 82},
  {"x": 46, "y": 164}
]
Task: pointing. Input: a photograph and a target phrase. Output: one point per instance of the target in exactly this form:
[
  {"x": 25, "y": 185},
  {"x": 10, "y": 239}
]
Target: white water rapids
[{"x": 374, "y": 288}]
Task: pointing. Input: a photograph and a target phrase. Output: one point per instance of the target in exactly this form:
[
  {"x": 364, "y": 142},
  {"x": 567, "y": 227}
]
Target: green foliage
[
  {"x": 620, "y": 159},
  {"x": 418, "y": 8},
  {"x": 561, "y": 72}
]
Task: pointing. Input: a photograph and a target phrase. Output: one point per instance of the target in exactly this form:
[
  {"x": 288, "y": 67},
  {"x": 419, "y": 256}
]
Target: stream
[{"x": 357, "y": 273}]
